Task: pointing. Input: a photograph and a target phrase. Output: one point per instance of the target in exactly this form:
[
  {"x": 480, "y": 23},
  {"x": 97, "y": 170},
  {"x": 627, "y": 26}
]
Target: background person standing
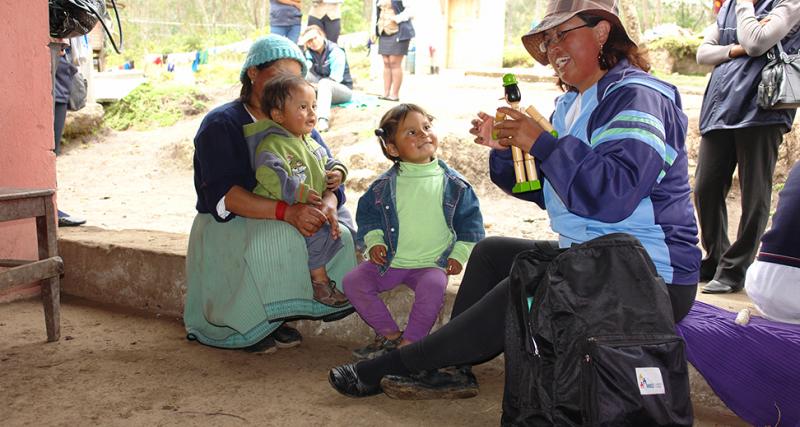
[
  {"x": 394, "y": 30},
  {"x": 735, "y": 131},
  {"x": 284, "y": 18}
]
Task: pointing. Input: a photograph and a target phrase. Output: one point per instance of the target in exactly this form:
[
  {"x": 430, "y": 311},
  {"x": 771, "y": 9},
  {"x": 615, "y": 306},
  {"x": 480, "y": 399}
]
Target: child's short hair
[
  {"x": 278, "y": 90},
  {"x": 390, "y": 122}
]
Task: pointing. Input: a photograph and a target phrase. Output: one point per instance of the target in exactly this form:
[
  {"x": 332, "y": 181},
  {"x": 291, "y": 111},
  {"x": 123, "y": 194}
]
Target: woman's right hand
[
  {"x": 482, "y": 129},
  {"x": 307, "y": 219}
]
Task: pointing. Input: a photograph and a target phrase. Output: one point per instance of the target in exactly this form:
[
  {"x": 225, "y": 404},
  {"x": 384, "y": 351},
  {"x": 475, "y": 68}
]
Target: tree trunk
[{"x": 631, "y": 21}]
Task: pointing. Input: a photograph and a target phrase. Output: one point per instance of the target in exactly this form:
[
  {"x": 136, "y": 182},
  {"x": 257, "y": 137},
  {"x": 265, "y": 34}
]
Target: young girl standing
[{"x": 418, "y": 222}]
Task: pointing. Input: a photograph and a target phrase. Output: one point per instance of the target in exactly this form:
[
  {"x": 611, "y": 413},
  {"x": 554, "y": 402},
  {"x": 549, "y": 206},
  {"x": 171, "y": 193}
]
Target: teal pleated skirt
[{"x": 245, "y": 277}]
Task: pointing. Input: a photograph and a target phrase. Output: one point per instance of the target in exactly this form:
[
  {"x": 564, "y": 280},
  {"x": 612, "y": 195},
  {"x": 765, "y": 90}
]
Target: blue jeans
[{"x": 291, "y": 32}]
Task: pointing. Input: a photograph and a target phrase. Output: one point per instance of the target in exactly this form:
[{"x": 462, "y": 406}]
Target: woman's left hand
[{"x": 520, "y": 131}]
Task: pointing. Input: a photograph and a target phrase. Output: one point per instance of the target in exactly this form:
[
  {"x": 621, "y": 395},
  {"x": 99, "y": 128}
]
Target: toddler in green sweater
[{"x": 291, "y": 167}]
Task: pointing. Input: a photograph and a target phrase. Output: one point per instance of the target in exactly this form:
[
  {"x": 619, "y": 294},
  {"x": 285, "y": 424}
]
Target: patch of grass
[{"x": 150, "y": 106}]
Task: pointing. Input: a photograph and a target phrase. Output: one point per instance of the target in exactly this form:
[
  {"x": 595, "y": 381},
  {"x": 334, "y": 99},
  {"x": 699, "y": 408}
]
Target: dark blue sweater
[{"x": 781, "y": 244}]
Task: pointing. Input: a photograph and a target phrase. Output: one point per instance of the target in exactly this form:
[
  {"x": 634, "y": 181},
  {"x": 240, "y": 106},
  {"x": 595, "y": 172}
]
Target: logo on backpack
[{"x": 650, "y": 381}]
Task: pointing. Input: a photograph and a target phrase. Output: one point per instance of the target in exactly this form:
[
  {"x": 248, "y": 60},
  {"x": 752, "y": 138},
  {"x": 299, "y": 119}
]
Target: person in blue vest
[
  {"x": 284, "y": 18},
  {"x": 617, "y": 165},
  {"x": 395, "y": 31},
  {"x": 736, "y": 132},
  {"x": 329, "y": 71},
  {"x": 773, "y": 280}
]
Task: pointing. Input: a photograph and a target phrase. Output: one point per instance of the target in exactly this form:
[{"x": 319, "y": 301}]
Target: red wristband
[{"x": 280, "y": 210}]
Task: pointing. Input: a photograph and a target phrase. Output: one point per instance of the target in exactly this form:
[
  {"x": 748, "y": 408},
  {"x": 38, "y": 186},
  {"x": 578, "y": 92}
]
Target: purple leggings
[{"x": 363, "y": 284}]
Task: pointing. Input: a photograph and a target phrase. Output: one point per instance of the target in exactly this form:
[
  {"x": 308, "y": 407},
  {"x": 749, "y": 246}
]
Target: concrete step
[{"x": 145, "y": 270}]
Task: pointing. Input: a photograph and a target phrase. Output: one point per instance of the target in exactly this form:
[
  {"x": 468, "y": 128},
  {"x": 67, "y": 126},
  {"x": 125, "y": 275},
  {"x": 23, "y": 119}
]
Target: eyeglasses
[{"x": 559, "y": 37}]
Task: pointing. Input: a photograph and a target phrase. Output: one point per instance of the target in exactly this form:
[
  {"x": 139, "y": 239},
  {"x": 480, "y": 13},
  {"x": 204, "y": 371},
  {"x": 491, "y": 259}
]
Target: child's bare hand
[
  {"x": 453, "y": 267},
  {"x": 334, "y": 179},
  {"x": 378, "y": 254},
  {"x": 314, "y": 198}
]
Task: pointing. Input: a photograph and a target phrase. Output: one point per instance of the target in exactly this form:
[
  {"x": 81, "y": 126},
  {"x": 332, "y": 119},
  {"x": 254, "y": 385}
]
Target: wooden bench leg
[
  {"x": 51, "y": 299},
  {"x": 51, "y": 293}
]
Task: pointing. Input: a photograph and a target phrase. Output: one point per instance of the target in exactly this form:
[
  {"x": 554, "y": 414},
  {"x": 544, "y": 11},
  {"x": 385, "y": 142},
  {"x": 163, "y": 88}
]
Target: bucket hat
[{"x": 560, "y": 11}]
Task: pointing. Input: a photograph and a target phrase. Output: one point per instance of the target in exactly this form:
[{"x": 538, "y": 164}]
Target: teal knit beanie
[{"x": 271, "y": 48}]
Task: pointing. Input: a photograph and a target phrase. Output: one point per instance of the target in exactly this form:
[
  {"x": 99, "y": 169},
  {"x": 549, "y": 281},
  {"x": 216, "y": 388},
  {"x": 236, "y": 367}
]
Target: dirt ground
[{"x": 113, "y": 368}]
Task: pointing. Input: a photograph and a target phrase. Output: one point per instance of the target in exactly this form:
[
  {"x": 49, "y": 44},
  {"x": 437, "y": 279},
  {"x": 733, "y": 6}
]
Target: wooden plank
[
  {"x": 32, "y": 272},
  {"x": 14, "y": 262},
  {"x": 23, "y": 193},
  {"x": 11, "y": 209}
]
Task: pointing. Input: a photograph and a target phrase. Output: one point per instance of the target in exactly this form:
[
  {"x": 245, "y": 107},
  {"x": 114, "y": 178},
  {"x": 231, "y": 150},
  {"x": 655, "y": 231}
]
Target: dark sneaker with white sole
[
  {"x": 265, "y": 346},
  {"x": 449, "y": 383},
  {"x": 286, "y": 337}
]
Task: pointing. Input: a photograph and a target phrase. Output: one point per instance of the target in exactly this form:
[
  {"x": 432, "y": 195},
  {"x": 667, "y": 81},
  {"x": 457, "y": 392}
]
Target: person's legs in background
[
  {"x": 60, "y": 113},
  {"x": 756, "y": 154},
  {"x": 396, "y": 76},
  {"x": 716, "y": 162},
  {"x": 329, "y": 92},
  {"x": 291, "y": 32},
  {"x": 387, "y": 76}
]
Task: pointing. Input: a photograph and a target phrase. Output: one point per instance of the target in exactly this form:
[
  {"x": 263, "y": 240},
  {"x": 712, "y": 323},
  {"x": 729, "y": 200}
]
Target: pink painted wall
[{"x": 26, "y": 114}]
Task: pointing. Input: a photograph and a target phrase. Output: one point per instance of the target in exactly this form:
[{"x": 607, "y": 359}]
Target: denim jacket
[{"x": 377, "y": 210}]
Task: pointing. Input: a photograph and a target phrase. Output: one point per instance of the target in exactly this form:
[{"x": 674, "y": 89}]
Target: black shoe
[
  {"x": 452, "y": 383},
  {"x": 718, "y": 287},
  {"x": 265, "y": 346},
  {"x": 286, "y": 336},
  {"x": 345, "y": 380}
]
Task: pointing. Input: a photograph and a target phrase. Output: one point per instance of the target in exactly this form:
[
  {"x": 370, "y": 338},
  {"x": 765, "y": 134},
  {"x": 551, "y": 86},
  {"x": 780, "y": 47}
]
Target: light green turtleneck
[{"x": 423, "y": 235}]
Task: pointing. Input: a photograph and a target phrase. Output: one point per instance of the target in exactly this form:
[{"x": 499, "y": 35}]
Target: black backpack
[{"x": 598, "y": 345}]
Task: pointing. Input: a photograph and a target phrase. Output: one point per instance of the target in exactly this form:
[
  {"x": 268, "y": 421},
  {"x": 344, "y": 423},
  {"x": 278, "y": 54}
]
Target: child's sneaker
[
  {"x": 378, "y": 347},
  {"x": 326, "y": 293}
]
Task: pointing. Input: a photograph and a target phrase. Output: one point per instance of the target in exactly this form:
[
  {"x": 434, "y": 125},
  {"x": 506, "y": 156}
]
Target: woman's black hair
[
  {"x": 617, "y": 47},
  {"x": 247, "y": 84},
  {"x": 278, "y": 90},
  {"x": 390, "y": 122}
]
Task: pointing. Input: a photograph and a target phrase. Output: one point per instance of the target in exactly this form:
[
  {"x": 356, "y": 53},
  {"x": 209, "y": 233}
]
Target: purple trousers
[{"x": 364, "y": 283}]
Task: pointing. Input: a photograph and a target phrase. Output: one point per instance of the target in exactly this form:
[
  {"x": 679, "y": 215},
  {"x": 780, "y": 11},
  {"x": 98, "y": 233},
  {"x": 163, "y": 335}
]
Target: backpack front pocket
[{"x": 635, "y": 380}]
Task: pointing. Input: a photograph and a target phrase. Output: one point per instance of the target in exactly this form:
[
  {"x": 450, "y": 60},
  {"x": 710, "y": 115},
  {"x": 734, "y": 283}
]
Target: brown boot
[{"x": 326, "y": 293}]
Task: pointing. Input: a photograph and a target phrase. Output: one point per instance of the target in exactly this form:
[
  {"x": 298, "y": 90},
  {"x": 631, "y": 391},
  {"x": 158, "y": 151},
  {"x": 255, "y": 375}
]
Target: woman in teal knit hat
[{"x": 246, "y": 263}]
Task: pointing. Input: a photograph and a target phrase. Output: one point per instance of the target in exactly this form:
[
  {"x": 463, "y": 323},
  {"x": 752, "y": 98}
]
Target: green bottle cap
[{"x": 509, "y": 79}]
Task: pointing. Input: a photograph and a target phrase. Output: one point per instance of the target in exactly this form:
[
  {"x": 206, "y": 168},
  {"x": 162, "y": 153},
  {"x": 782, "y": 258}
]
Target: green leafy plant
[
  {"x": 150, "y": 106},
  {"x": 678, "y": 47}
]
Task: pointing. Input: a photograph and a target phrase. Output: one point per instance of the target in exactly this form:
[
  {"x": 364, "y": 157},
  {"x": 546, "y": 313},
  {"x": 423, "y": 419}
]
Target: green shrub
[
  {"x": 150, "y": 106},
  {"x": 678, "y": 47},
  {"x": 515, "y": 56}
]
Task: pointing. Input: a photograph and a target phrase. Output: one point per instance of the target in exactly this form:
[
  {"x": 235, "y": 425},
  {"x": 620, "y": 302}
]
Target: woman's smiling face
[{"x": 573, "y": 48}]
